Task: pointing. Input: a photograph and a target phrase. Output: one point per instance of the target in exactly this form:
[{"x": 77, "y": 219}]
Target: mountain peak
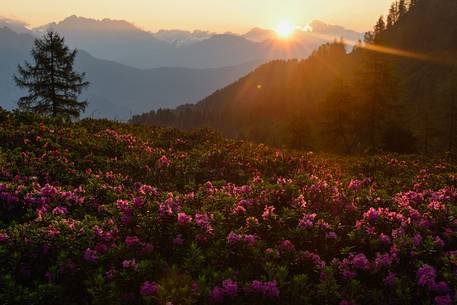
[
  {"x": 15, "y": 25},
  {"x": 75, "y": 22}
]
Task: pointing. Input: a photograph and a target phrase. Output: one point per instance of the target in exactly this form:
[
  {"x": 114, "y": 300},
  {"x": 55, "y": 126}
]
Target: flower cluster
[{"x": 98, "y": 212}]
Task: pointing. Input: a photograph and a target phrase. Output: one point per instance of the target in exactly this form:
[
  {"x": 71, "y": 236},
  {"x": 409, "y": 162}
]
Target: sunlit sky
[{"x": 213, "y": 15}]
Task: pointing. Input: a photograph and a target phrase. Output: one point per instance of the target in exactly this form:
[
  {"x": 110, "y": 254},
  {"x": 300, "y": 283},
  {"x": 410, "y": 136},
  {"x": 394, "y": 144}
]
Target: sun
[{"x": 285, "y": 29}]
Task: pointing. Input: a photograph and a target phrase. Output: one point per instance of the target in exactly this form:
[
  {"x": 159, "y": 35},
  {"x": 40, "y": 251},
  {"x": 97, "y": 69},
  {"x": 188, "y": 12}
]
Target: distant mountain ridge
[
  {"x": 124, "y": 42},
  {"x": 117, "y": 91}
]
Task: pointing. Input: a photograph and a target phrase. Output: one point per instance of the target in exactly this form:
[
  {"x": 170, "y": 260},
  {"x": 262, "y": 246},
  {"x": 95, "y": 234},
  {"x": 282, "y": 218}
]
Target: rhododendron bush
[{"x": 97, "y": 212}]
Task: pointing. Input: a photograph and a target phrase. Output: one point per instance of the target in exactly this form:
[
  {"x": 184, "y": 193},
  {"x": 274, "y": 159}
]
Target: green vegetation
[{"x": 97, "y": 212}]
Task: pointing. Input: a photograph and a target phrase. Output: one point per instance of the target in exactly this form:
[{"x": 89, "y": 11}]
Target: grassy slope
[{"x": 99, "y": 212}]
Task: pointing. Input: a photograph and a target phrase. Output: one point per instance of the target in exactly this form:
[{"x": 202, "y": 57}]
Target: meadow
[{"x": 98, "y": 212}]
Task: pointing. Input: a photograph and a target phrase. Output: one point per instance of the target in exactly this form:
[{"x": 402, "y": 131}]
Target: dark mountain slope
[{"x": 418, "y": 52}]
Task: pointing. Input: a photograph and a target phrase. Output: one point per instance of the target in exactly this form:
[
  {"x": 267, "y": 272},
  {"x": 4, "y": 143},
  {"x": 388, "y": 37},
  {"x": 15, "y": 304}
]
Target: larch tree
[{"x": 52, "y": 84}]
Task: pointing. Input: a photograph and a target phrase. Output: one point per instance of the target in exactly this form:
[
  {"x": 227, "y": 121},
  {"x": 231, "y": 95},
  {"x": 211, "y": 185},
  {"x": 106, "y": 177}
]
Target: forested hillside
[{"x": 396, "y": 91}]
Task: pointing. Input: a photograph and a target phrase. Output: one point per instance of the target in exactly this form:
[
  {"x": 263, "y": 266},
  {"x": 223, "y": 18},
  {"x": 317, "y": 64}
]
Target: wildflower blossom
[
  {"x": 426, "y": 275},
  {"x": 267, "y": 289},
  {"x": 90, "y": 255},
  {"x": 307, "y": 221},
  {"x": 132, "y": 240},
  {"x": 184, "y": 219},
  {"x": 149, "y": 288},
  {"x": 230, "y": 287}
]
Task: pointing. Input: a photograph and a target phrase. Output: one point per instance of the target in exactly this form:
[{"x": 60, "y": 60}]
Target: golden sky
[{"x": 214, "y": 15}]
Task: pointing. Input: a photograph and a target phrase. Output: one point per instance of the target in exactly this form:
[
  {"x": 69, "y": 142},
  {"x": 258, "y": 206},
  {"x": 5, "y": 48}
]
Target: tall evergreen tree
[
  {"x": 389, "y": 21},
  {"x": 52, "y": 84},
  {"x": 339, "y": 121},
  {"x": 393, "y": 12},
  {"x": 402, "y": 8},
  {"x": 376, "y": 97},
  {"x": 379, "y": 28},
  {"x": 412, "y": 4},
  {"x": 449, "y": 98}
]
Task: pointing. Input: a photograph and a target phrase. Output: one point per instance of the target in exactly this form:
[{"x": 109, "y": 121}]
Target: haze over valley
[{"x": 133, "y": 71}]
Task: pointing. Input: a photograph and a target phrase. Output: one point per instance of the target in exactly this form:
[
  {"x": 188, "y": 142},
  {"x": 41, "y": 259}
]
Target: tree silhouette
[
  {"x": 402, "y": 8},
  {"x": 339, "y": 121},
  {"x": 52, "y": 84}
]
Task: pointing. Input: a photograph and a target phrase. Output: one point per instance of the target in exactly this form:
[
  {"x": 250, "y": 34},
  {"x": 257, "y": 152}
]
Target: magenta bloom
[
  {"x": 3, "y": 237},
  {"x": 164, "y": 161},
  {"x": 443, "y": 300},
  {"x": 149, "y": 288},
  {"x": 268, "y": 212},
  {"x": 129, "y": 264},
  {"x": 417, "y": 239},
  {"x": 268, "y": 289},
  {"x": 360, "y": 261},
  {"x": 233, "y": 238},
  {"x": 216, "y": 295},
  {"x": 90, "y": 255},
  {"x": 354, "y": 185},
  {"x": 132, "y": 240},
  {"x": 59, "y": 211},
  {"x": 390, "y": 279},
  {"x": 426, "y": 275},
  {"x": 372, "y": 215},
  {"x": 440, "y": 287},
  {"x": 184, "y": 219},
  {"x": 230, "y": 287},
  {"x": 286, "y": 246},
  {"x": 250, "y": 239},
  {"x": 178, "y": 241},
  {"x": 385, "y": 239},
  {"x": 138, "y": 202},
  {"x": 307, "y": 221}
]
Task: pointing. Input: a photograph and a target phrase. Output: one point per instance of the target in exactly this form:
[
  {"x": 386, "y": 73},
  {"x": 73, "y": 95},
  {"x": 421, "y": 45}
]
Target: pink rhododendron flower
[
  {"x": 216, "y": 295},
  {"x": 360, "y": 261},
  {"x": 184, "y": 219},
  {"x": 390, "y": 279},
  {"x": 287, "y": 246},
  {"x": 178, "y": 241},
  {"x": 3, "y": 237},
  {"x": 268, "y": 212},
  {"x": 149, "y": 288},
  {"x": 230, "y": 287},
  {"x": 443, "y": 300},
  {"x": 354, "y": 185},
  {"x": 307, "y": 221},
  {"x": 90, "y": 255},
  {"x": 129, "y": 264},
  {"x": 426, "y": 275},
  {"x": 268, "y": 289},
  {"x": 132, "y": 240}
]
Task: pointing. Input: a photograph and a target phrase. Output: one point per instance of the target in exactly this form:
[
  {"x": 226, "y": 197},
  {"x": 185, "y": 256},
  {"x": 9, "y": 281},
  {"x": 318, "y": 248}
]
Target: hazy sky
[{"x": 213, "y": 15}]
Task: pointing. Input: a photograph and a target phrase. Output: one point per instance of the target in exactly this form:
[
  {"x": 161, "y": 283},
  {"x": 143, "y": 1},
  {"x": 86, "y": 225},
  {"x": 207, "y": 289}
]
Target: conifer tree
[
  {"x": 393, "y": 12},
  {"x": 449, "y": 98},
  {"x": 376, "y": 96},
  {"x": 339, "y": 121},
  {"x": 52, "y": 84},
  {"x": 402, "y": 9},
  {"x": 389, "y": 21},
  {"x": 379, "y": 28}
]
